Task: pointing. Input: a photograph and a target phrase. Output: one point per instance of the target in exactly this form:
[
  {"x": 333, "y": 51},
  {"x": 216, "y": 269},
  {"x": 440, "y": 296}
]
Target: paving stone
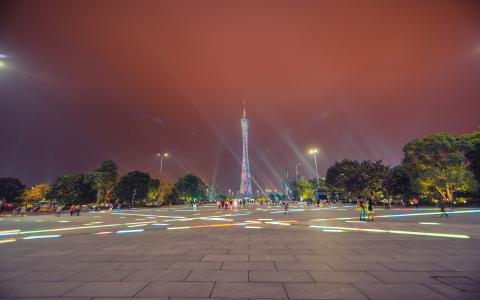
[
  {"x": 158, "y": 275},
  {"x": 177, "y": 289},
  {"x": 343, "y": 277},
  {"x": 40, "y": 289},
  {"x": 208, "y": 275},
  {"x": 398, "y": 291},
  {"x": 356, "y": 266},
  {"x": 322, "y": 291},
  {"x": 107, "y": 289},
  {"x": 279, "y": 276},
  {"x": 99, "y": 275},
  {"x": 6, "y": 275},
  {"x": 272, "y": 257},
  {"x": 218, "y": 257},
  {"x": 320, "y": 258},
  {"x": 144, "y": 265},
  {"x": 290, "y": 265},
  {"x": 249, "y": 290},
  {"x": 45, "y": 275},
  {"x": 261, "y": 265},
  {"x": 414, "y": 266},
  {"x": 204, "y": 265},
  {"x": 452, "y": 292},
  {"x": 404, "y": 277}
]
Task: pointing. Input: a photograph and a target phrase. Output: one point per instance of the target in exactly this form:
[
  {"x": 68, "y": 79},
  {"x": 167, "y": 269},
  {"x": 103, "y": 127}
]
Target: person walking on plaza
[
  {"x": 72, "y": 209},
  {"x": 58, "y": 210},
  {"x": 415, "y": 202},
  {"x": 23, "y": 211},
  {"x": 77, "y": 209},
  {"x": 285, "y": 207},
  {"x": 370, "y": 210},
  {"x": 441, "y": 205},
  {"x": 361, "y": 209}
]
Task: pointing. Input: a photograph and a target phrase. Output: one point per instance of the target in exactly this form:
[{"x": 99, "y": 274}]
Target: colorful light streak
[
  {"x": 458, "y": 236},
  {"x": 36, "y": 237},
  {"x": 9, "y": 232},
  {"x": 174, "y": 228},
  {"x": 103, "y": 232},
  {"x": 252, "y": 227},
  {"x": 129, "y": 231},
  {"x": 4, "y": 241}
]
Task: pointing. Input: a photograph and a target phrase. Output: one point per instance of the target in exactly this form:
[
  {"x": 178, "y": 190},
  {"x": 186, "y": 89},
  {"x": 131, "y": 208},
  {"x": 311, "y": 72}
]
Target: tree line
[
  {"x": 104, "y": 184},
  {"x": 440, "y": 166}
]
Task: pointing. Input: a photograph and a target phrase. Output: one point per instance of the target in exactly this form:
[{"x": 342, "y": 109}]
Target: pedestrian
[
  {"x": 361, "y": 209},
  {"x": 77, "y": 209},
  {"x": 385, "y": 203},
  {"x": 23, "y": 211},
  {"x": 370, "y": 210},
  {"x": 72, "y": 209},
  {"x": 285, "y": 207},
  {"x": 441, "y": 205},
  {"x": 415, "y": 202},
  {"x": 58, "y": 211}
]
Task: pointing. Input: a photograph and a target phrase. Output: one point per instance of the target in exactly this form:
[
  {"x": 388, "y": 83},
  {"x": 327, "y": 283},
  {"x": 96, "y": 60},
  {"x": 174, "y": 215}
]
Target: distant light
[
  {"x": 3, "y": 56},
  {"x": 129, "y": 231},
  {"x": 2, "y": 64},
  {"x": 252, "y": 227},
  {"x": 103, "y": 232},
  {"x": 35, "y": 237},
  {"x": 429, "y": 223}
]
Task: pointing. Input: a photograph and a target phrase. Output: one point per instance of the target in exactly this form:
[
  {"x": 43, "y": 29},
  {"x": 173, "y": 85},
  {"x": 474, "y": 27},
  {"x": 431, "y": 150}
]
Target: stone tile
[
  {"x": 272, "y": 257},
  {"x": 452, "y": 292},
  {"x": 165, "y": 251},
  {"x": 398, "y": 291},
  {"x": 218, "y": 257},
  {"x": 404, "y": 277},
  {"x": 414, "y": 266},
  {"x": 290, "y": 265},
  {"x": 261, "y": 265},
  {"x": 249, "y": 251},
  {"x": 343, "y": 277},
  {"x": 291, "y": 251},
  {"x": 279, "y": 276},
  {"x": 40, "y": 289},
  {"x": 158, "y": 275},
  {"x": 322, "y": 291},
  {"x": 208, "y": 275},
  {"x": 249, "y": 290},
  {"x": 210, "y": 251},
  {"x": 177, "y": 289},
  {"x": 6, "y": 275},
  {"x": 356, "y": 266},
  {"x": 321, "y": 258},
  {"x": 461, "y": 266},
  {"x": 204, "y": 265},
  {"x": 107, "y": 289},
  {"x": 144, "y": 265},
  {"x": 45, "y": 276},
  {"x": 99, "y": 275}
]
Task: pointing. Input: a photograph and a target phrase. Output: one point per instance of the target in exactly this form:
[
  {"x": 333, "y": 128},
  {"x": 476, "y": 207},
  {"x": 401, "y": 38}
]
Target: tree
[
  {"x": 71, "y": 188},
  {"x": 104, "y": 179},
  {"x": 357, "y": 178},
  {"x": 437, "y": 163},
  {"x": 133, "y": 186},
  {"x": 35, "y": 193},
  {"x": 159, "y": 193},
  {"x": 303, "y": 189},
  {"x": 190, "y": 187},
  {"x": 11, "y": 188},
  {"x": 473, "y": 157},
  {"x": 397, "y": 182}
]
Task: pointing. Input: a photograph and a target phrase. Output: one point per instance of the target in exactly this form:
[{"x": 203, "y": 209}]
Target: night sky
[{"x": 123, "y": 80}]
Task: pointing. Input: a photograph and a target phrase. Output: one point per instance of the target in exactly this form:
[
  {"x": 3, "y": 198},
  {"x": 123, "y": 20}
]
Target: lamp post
[
  {"x": 296, "y": 170},
  {"x": 314, "y": 152},
  {"x": 162, "y": 156}
]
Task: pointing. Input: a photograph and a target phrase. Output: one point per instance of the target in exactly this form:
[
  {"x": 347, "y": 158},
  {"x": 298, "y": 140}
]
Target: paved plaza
[{"x": 253, "y": 253}]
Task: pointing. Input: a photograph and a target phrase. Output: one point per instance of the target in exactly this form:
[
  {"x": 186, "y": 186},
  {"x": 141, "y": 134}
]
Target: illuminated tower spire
[{"x": 245, "y": 182}]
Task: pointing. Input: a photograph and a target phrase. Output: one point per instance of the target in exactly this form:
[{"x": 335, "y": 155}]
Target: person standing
[
  {"x": 77, "y": 209},
  {"x": 370, "y": 210},
  {"x": 415, "y": 202},
  {"x": 285, "y": 207},
  {"x": 361, "y": 209},
  {"x": 441, "y": 205},
  {"x": 72, "y": 209}
]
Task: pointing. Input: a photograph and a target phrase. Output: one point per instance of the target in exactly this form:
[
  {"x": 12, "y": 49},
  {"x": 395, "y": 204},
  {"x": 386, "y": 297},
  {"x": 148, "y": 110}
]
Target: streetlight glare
[
  {"x": 313, "y": 151},
  {"x": 2, "y": 64}
]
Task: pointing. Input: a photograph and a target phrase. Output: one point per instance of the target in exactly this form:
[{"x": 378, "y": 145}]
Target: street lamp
[
  {"x": 162, "y": 156},
  {"x": 314, "y": 152},
  {"x": 296, "y": 170}
]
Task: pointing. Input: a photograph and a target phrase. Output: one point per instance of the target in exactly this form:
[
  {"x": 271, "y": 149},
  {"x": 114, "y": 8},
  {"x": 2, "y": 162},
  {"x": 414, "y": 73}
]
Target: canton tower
[{"x": 245, "y": 182}]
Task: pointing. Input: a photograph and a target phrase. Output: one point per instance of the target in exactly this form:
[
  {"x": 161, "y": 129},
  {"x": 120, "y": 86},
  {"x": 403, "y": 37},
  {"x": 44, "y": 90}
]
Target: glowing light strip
[
  {"x": 406, "y": 215},
  {"x": 35, "y": 237},
  {"x": 429, "y": 223},
  {"x": 7, "y": 241},
  {"x": 173, "y": 228},
  {"x": 458, "y": 236},
  {"x": 253, "y": 227},
  {"x": 103, "y": 232},
  {"x": 129, "y": 231},
  {"x": 332, "y": 230},
  {"x": 212, "y": 225},
  {"x": 9, "y": 232},
  {"x": 68, "y": 228},
  {"x": 278, "y": 223},
  {"x": 160, "y": 224}
]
